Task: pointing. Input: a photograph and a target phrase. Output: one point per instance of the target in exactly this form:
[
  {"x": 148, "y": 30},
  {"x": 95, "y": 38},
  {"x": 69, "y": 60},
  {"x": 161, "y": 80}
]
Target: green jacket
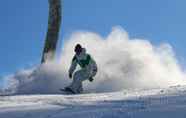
[{"x": 84, "y": 60}]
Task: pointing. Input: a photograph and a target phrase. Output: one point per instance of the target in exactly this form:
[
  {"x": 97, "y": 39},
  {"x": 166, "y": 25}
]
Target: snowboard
[{"x": 67, "y": 91}]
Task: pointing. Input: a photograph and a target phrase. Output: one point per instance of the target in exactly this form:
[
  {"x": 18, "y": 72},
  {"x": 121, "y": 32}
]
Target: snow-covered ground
[{"x": 154, "y": 103}]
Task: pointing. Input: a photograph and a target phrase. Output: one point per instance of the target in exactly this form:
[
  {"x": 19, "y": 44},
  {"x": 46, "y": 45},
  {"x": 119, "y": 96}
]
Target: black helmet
[{"x": 78, "y": 48}]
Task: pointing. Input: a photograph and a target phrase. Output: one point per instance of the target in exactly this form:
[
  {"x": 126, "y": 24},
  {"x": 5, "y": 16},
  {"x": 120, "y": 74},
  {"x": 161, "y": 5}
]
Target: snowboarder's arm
[{"x": 73, "y": 65}]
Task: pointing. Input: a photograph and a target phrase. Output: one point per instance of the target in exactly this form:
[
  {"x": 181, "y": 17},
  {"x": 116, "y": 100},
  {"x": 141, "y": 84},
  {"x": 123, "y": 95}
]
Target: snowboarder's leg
[
  {"x": 78, "y": 78},
  {"x": 80, "y": 89}
]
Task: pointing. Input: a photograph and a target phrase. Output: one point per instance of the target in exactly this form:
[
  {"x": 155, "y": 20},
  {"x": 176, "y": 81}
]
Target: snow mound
[{"x": 123, "y": 63}]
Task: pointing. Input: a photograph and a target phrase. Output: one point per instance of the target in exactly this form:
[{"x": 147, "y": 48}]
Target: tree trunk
[{"x": 54, "y": 22}]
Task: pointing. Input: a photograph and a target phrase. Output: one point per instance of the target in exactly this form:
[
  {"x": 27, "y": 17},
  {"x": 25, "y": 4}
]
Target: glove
[
  {"x": 91, "y": 79},
  {"x": 70, "y": 75}
]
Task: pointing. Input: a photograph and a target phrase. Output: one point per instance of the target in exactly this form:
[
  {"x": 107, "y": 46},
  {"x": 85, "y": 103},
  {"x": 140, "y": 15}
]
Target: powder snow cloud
[{"x": 123, "y": 63}]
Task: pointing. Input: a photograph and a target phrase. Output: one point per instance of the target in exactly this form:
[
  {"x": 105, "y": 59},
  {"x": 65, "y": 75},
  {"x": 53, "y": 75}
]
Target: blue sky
[{"x": 23, "y": 25}]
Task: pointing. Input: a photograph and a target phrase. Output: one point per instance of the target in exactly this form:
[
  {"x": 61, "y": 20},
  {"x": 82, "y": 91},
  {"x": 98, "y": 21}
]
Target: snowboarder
[{"x": 87, "y": 72}]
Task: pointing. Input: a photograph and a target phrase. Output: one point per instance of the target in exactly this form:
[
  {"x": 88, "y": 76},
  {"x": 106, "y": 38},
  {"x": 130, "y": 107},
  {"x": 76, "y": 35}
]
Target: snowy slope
[
  {"x": 128, "y": 71},
  {"x": 154, "y": 103}
]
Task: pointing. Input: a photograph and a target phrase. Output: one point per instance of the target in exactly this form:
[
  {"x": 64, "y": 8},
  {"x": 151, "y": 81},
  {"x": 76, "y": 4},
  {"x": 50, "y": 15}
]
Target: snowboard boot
[{"x": 69, "y": 89}]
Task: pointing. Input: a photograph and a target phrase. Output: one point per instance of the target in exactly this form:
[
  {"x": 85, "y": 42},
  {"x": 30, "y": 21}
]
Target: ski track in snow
[{"x": 161, "y": 103}]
